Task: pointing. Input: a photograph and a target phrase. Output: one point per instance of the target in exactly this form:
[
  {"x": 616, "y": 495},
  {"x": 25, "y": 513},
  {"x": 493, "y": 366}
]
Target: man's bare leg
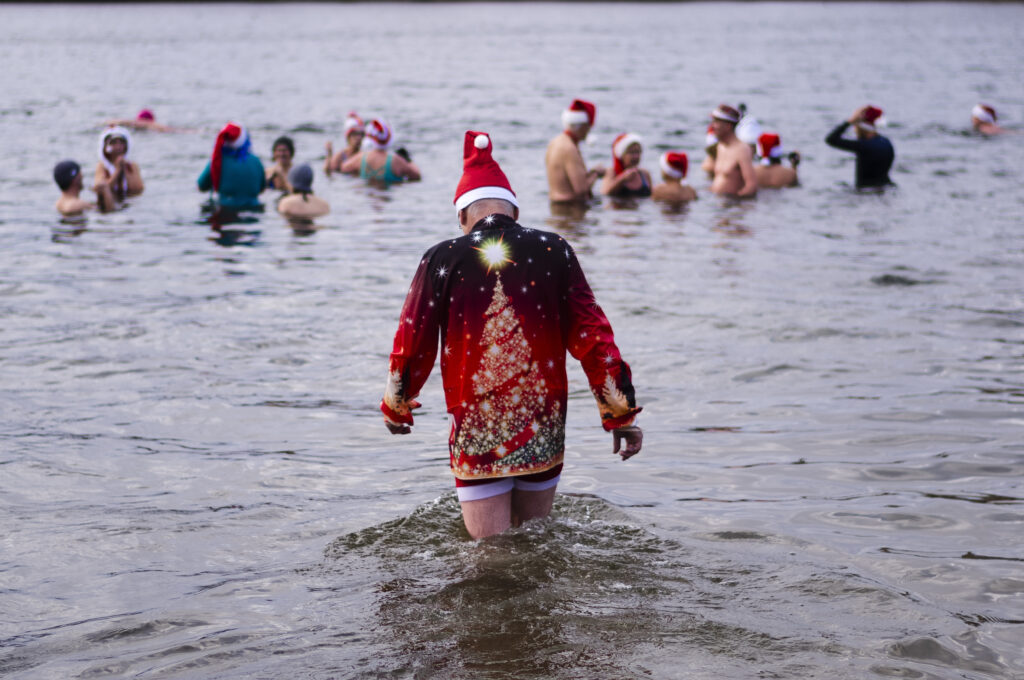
[
  {"x": 488, "y": 516},
  {"x": 527, "y": 505}
]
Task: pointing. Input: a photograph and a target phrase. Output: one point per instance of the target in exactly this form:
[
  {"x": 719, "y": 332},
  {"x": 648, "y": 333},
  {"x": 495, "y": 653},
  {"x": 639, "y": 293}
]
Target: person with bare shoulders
[
  {"x": 283, "y": 151},
  {"x": 115, "y": 170},
  {"x": 674, "y": 165},
  {"x": 378, "y": 165},
  {"x": 301, "y": 203},
  {"x": 68, "y": 176},
  {"x": 569, "y": 181},
  {"x": 627, "y": 179},
  {"x": 734, "y": 161},
  {"x": 507, "y": 303},
  {"x": 983, "y": 120},
  {"x": 710, "y": 151},
  {"x": 771, "y": 173},
  {"x": 354, "y": 135}
]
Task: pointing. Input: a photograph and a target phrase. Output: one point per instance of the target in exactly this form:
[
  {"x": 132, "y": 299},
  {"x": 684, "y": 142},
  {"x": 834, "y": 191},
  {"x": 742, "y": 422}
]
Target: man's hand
[
  {"x": 634, "y": 438},
  {"x": 857, "y": 116}
]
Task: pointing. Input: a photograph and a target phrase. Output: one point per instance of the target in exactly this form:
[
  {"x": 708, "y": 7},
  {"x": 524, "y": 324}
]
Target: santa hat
[
  {"x": 352, "y": 121},
  {"x": 770, "y": 145},
  {"x": 710, "y": 138},
  {"x": 233, "y": 137},
  {"x": 619, "y": 146},
  {"x": 726, "y": 113},
  {"x": 379, "y": 133},
  {"x": 984, "y": 113},
  {"x": 674, "y": 164},
  {"x": 579, "y": 112},
  {"x": 872, "y": 118},
  {"x": 481, "y": 175}
]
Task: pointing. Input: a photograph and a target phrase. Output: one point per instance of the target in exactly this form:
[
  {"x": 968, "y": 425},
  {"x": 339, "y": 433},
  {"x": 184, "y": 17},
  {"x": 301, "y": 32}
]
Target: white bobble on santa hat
[{"x": 481, "y": 142}]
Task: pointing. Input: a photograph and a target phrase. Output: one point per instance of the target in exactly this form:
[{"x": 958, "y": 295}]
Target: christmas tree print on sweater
[{"x": 512, "y": 426}]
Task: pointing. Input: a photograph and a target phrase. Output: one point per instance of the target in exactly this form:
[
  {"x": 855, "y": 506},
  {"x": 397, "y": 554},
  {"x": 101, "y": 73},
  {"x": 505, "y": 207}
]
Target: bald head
[{"x": 477, "y": 210}]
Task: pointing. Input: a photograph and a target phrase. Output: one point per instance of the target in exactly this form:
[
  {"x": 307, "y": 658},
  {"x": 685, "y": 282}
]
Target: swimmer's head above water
[
  {"x": 674, "y": 164},
  {"x": 66, "y": 174},
  {"x": 579, "y": 118}
]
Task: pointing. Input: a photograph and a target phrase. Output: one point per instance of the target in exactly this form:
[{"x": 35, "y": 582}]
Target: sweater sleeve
[
  {"x": 592, "y": 342},
  {"x": 415, "y": 348},
  {"x": 835, "y": 138}
]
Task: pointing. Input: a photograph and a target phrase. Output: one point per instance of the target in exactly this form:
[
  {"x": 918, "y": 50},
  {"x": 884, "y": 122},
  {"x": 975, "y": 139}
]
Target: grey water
[{"x": 194, "y": 478}]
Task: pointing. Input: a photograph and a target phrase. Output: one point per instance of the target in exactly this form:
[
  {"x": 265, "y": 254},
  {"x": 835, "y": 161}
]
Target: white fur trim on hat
[
  {"x": 480, "y": 193},
  {"x": 238, "y": 141},
  {"x": 572, "y": 117},
  {"x": 982, "y": 114},
  {"x": 623, "y": 144},
  {"x": 668, "y": 169}
]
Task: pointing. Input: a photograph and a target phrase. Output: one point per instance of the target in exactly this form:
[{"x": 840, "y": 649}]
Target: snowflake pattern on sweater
[{"x": 506, "y": 303}]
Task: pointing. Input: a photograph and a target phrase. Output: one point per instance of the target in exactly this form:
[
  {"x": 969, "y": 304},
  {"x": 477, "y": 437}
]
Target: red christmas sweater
[{"x": 506, "y": 302}]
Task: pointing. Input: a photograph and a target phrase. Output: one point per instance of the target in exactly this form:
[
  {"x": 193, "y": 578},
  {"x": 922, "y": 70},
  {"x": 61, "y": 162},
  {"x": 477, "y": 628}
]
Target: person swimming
[
  {"x": 283, "y": 151},
  {"x": 145, "y": 120},
  {"x": 983, "y": 120},
  {"x": 627, "y": 179},
  {"x": 235, "y": 174},
  {"x": 300, "y": 203},
  {"x": 770, "y": 172},
  {"x": 376, "y": 164},
  {"x": 354, "y": 136},
  {"x": 115, "y": 169},
  {"x": 674, "y": 165}
]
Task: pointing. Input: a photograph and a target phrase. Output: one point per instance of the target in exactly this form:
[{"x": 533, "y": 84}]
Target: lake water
[{"x": 195, "y": 481}]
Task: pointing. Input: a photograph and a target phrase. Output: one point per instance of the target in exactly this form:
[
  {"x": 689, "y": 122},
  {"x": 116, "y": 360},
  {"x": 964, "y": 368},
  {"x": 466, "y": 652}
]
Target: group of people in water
[{"x": 739, "y": 158}]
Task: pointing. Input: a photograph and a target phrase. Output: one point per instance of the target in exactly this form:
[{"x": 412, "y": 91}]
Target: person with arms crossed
[{"x": 506, "y": 303}]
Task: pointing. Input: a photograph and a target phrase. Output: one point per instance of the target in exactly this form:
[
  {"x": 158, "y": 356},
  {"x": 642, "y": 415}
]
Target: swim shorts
[{"x": 479, "y": 489}]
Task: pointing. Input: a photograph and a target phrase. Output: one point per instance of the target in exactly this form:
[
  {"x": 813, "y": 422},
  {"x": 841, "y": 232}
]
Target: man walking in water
[
  {"x": 507, "y": 302},
  {"x": 569, "y": 181},
  {"x": 874, "y": 152},
  {"x": 734, "y": 161}
]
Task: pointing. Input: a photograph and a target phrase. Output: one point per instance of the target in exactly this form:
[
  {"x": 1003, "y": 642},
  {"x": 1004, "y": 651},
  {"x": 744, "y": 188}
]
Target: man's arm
[
  {"x": 581, "y": 179},
  {"x": 351, "y": 164},
  {"x": 746, "y": 163},
  {"x": 414, "y": 351},
  {"x": 835, "y": 138},
  {"x": 592, "y": 342}
]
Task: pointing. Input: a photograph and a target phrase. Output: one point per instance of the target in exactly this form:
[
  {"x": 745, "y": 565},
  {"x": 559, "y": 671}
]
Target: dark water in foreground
[{"x": 194, "y": 479}]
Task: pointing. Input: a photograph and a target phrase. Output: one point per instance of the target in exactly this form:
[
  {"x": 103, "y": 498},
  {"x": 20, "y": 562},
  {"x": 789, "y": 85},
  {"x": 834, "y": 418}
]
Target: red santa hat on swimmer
[
  {"x": 352, "y": 121},
  {"x": 984, "y": 113},
  {"x": 379, "y": 133},
  {"x": 674, "y": 164},
  {"x": 619, "y": 146},
  {"x": 770, "y": 146},
  {"x": 233, "y": 136},
  {"x": 710, "y": 138},
  {"x": 481, "y": 175},
  {"x": 579, "y": 112},
  {"x": 872, "y": 119}
]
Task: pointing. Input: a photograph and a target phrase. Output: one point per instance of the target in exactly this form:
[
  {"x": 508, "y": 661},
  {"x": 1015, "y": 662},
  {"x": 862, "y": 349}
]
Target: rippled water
[{"x": 194, "y": 479}]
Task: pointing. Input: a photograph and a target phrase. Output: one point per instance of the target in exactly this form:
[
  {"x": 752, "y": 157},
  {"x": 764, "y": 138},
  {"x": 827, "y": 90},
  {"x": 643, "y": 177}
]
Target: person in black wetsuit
[
  {"x": 874, "y": 152},
  {"x": 628, "y": 179}
]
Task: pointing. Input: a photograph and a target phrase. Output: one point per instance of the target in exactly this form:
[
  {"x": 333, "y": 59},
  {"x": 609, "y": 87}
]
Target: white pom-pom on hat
[{"x": 481, "y": 141}]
